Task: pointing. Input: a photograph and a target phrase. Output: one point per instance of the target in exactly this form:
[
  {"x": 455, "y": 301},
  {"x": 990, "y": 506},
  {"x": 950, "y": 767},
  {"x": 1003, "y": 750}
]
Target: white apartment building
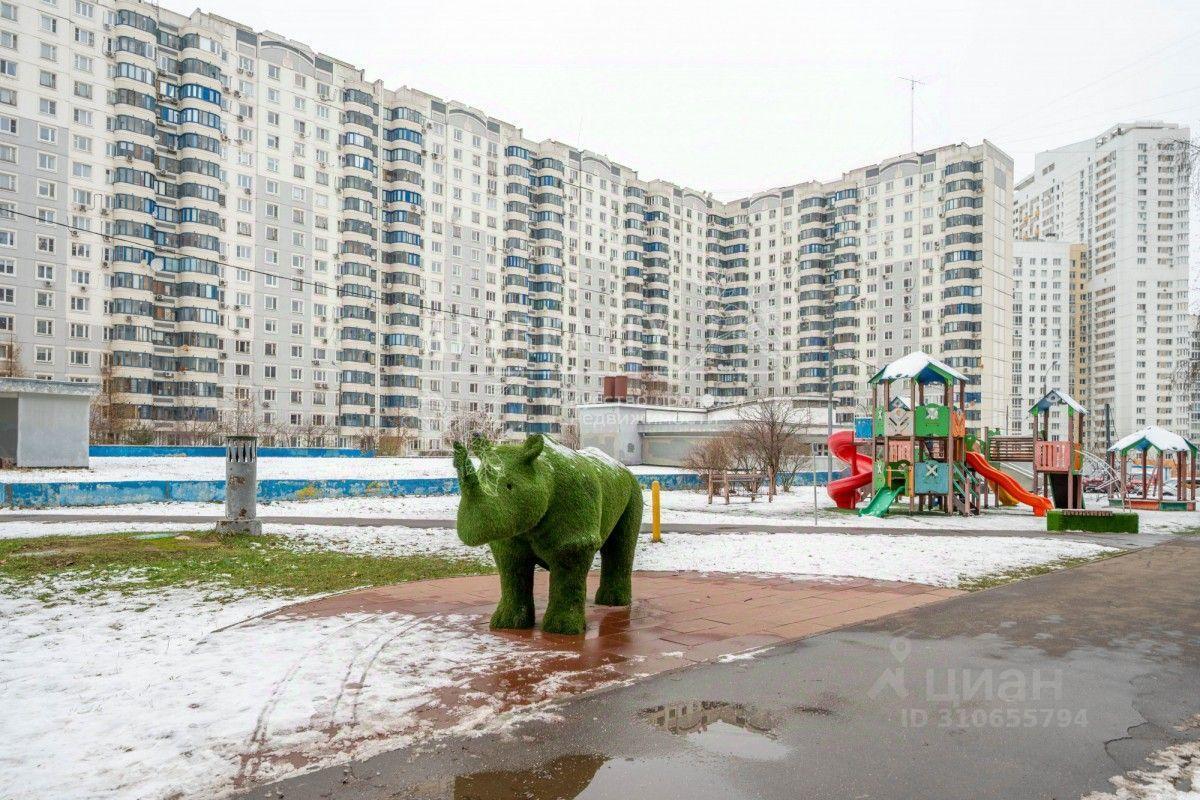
[
  {"x": 226, "y": 224},
  {"x": 912, "y": 253},
  {"x": 1124, "y": 196},
  {"x": 1045, "y": 274}
]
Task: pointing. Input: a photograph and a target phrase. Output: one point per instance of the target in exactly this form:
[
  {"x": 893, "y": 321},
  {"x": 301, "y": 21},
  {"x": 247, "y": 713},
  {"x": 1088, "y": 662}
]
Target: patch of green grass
[
  {"x": 267, "y": 565},
  {"x": 1021, "y": 573}
]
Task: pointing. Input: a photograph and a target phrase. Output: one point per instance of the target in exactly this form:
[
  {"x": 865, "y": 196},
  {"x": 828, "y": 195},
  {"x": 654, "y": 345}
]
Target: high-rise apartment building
[
  {"x": 1124, "y": 195},
  {"x": 909, "y": 254},
  {"x": 224, "y": 224},
  {"x": 1045, "y": 342}
]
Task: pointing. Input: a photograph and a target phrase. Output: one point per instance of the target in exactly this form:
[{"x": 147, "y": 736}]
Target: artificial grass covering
[{"x": 1117, "y": 522}]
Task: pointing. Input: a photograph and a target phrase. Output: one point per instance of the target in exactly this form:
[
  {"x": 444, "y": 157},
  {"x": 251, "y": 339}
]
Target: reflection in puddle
[
  {"x": 727, "y": 729},
  {"x": 560, "y": 779}
]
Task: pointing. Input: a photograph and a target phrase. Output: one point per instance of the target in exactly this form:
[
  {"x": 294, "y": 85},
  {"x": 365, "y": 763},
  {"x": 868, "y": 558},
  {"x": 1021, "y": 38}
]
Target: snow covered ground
[
  {"x": 153, "y": 696},
  {"x": 933, "y": 560},
  {"x": 790, "y": 508},
  {"x": 144, "y": 695},
  {"x": 192, "y": 468}
]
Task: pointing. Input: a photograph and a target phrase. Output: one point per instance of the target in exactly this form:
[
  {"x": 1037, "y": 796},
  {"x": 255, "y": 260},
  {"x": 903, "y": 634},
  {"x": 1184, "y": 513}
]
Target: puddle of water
[
  {"x": 725, "y": 729},
  {"x": 560, "y": 779}
]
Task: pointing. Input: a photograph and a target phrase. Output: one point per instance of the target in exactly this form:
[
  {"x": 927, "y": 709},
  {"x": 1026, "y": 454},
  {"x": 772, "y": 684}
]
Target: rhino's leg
[
  {"x": 568, "y": 595},
  {"x": 514, "y": 559},
  {"x": 616, "y": 556}
]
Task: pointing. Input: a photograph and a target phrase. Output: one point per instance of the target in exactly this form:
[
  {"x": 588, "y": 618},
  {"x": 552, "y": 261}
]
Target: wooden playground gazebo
[{"x": 1174, "y": 452}]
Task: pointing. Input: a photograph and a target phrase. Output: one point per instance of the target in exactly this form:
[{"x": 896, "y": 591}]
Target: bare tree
[
  {"x": 796, "y": 457},
  {"x": 10, "y": 362},
  {"x": 467, "y": 425},
  {"x": 568, "y": 435},
  {"x": 316, "y": 432},
  {"x": 395, "y": 442},
  {"x": 243, "y": 419},
  {"x": 714, "y": 454},
  {"x": 770, "y": 432},
  {"x": 113, "y": 420}
]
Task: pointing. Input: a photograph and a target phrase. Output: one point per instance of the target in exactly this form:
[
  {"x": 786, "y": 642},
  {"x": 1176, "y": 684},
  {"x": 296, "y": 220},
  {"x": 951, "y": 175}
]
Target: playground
[
  {"x": 353, "y": 626},
  {"x": 917, "y": 459}
]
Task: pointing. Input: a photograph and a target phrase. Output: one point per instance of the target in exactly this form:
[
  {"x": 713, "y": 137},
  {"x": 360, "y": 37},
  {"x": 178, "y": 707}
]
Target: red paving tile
[{"x": 677, "y": 619}]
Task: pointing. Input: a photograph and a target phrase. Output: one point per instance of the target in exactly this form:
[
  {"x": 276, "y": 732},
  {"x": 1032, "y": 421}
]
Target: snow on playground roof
[
  {"x": 1056, "y": 397},
  {"x": 1155, "y": 438},
  {"x": 919, "y": 367}
]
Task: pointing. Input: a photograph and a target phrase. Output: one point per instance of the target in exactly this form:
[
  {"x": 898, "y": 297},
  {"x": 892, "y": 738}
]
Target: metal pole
[
  {"x": 813, "y": 472},
  {"x": 655, "y": 514},
  {"x": 1107, "y": 427}
]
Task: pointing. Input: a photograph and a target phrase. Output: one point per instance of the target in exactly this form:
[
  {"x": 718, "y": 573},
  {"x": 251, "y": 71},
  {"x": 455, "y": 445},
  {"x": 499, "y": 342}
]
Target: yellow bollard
[{"x": 655, "y": 521}]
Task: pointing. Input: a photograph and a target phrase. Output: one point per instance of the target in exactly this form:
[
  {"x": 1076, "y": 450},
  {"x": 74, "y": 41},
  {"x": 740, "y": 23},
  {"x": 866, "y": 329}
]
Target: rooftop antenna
[{"x": 912, "y": 111}]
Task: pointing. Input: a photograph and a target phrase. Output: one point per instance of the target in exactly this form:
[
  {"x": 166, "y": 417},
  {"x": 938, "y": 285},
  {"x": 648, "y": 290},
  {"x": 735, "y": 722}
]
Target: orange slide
[
  {"x": 845, "y": 491},
  {"x": 1039, "y": 504}
]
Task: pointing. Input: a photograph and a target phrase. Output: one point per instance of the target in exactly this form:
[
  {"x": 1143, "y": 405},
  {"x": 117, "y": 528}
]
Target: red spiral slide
[{"x": 845, "y": 491}]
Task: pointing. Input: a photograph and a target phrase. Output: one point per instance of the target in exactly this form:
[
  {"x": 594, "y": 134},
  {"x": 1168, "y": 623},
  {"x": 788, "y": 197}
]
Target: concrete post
[{"x": 241, "y": 486}]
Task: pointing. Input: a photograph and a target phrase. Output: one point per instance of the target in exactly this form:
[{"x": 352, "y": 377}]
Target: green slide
[{"x": 878, "y": 507}]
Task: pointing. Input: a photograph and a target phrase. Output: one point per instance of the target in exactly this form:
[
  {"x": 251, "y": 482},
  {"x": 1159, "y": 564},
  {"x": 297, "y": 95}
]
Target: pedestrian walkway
[{"x": 677, "y": 620}]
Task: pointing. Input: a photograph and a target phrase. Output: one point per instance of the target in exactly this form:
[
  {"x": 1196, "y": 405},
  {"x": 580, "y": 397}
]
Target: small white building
[
  {"x": 44, "y": 423},
  {"x": 635, "y": 433}
]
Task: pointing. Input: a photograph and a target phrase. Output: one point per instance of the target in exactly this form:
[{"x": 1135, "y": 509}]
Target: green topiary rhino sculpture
[{"x": 545, "y": 504}]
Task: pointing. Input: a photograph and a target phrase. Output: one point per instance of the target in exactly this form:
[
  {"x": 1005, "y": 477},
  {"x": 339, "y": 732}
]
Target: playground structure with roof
[
  {"x": 919, "y": 447},
  {"x": 1153, "y": 487}
]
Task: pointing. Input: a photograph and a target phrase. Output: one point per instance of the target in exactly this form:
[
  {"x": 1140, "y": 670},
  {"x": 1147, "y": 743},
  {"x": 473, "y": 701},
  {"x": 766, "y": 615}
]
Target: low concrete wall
[
  {"x": 114, "y": 493},
  {"x": 136, "y": 451}
]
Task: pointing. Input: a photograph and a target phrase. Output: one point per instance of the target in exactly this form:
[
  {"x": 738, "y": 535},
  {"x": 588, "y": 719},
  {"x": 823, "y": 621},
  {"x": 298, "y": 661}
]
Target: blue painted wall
[
  {"x": 113, "y": 493},
  {"x": 135, "y": 451}
]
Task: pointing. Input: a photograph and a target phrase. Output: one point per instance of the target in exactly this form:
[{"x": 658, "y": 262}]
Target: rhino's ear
[
  {"x": 460, "y": 457},
  {"x": 533, "y": 446}
]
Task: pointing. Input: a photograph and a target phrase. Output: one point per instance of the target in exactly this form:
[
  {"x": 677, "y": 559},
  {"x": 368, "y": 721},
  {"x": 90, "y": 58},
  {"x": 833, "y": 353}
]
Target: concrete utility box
[{"x": 44, "y": 423}]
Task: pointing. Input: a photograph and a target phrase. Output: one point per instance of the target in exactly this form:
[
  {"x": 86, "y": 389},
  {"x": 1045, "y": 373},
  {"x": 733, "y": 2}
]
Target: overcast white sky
[{"x": 735, "y": 97}]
